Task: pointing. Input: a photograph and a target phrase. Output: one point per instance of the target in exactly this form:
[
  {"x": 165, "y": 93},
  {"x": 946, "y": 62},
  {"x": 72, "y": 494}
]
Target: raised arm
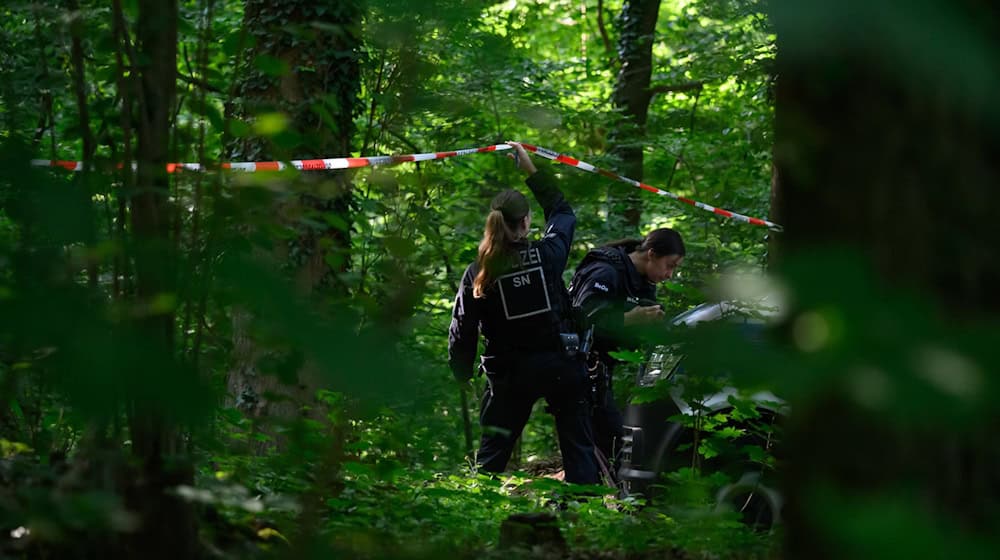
[{"x": 560, "y": 221}]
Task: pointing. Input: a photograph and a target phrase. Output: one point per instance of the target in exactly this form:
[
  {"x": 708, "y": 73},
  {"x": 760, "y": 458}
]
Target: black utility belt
[{"x": 568, "y": 343}]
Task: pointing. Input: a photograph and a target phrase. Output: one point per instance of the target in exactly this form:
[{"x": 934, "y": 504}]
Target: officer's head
[
  {"x": 509, "y": 211},
  {"x": 507, "y": 223},
  {"x": 659, "y": 254}
]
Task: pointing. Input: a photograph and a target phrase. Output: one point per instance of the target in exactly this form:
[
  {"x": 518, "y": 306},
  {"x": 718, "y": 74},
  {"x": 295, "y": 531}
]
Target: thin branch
[
  {"x": 404, "y": 140},
  {"x": 615, "y": 60},
  {"x": 439, "y": 245},
  {"x": 118, "y": 15},
  {"x": 44, "y": 119},
  {"x": 79, "y": 80},
  {"x": 125, "y": 88},
  {"x": 374, "y": 95},
  {"x": 680, "y": 156},
  {"x": 496, "y": 114},
  {"x": 198, "y": 256},
  {"x": 203, "y": 84},
  {"x": 676, "y": 88}
]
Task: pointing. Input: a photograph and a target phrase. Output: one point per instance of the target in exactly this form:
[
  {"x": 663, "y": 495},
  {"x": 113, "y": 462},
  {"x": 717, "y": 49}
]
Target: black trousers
[
  {"x": 515, "y": 383},
  {"x": 608, "y": 424}
]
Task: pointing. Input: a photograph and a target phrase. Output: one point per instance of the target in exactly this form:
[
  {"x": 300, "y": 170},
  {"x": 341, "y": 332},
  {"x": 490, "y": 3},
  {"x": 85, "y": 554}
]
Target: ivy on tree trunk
[
  {"x": 630, "y": 100},
  {"x": 304, "y": 65}
]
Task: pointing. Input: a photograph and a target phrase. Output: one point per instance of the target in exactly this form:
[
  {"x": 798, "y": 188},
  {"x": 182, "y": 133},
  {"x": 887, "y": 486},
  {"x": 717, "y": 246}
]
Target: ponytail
[
  {"x": 495, "y": 254},
  {"x": 627, "y": 244},
  {"x": 496, "y": 251},
  {"x": 663, "y": 241}
]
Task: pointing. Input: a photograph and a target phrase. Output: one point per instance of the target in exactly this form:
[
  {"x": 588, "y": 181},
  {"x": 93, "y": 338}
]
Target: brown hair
[
  {"x": 663, "y": 242},
  {"x": 496, "y": 251}
]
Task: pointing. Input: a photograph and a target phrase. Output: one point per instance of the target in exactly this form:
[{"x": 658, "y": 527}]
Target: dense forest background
[{"x": 231, "y": 365}]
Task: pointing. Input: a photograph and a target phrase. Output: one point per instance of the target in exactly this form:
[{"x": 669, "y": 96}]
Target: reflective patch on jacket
[{"x": 524, "y": 293}]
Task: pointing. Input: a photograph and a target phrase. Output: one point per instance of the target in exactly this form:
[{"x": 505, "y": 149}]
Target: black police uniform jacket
[
  {"x": 605, "y": 285},
  {"x": 524, "y": 309}
]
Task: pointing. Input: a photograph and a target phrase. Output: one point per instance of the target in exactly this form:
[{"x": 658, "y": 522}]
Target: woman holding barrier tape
[
  {"x": 614, "y": 288},
  {"x": 513, "y": 294}
]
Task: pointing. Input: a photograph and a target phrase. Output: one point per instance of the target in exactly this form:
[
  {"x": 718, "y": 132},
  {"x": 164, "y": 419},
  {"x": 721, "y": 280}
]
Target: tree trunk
[
  {"x": 888, "y": 144},
  {"x": 318, "y": 91},
  {"x": 631, "y": 98},
  {"x": 167, "y": 524},
  {"x": 896, "y": 169},
  {"x": 125, "y": 84}
]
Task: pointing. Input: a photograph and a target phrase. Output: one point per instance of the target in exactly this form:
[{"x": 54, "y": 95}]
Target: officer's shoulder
[
  {"x": 471, "y": 270},
  {"x": 604, "y": 258},
  {"x": 610, "y": 254},
  {"x": 598, "y": 271}
]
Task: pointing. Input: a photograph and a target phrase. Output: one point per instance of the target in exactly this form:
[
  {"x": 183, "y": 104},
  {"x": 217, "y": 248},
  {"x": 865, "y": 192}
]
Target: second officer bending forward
[{"x": 514, "y": 295}]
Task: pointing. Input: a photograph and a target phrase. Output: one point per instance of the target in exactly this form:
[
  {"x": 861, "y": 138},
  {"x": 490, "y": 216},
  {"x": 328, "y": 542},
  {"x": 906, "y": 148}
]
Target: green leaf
[
  {"x": 271, "y": 124},
  {"x": 708, "y": 449},
  {"x": 630, "y": 356},
  {"x": 755, "y": 452}
]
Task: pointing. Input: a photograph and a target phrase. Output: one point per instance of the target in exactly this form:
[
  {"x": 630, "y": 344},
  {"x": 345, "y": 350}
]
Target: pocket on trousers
[
  {"x": 493, "y": 365},
  {"x": 498, "y": 382}
]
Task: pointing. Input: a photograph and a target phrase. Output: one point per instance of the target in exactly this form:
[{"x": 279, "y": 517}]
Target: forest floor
[{"x": 552, "y": 468}]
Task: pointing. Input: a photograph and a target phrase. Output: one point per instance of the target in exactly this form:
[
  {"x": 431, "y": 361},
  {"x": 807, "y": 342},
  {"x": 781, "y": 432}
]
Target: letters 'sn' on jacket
[
  {"x": 605, "y": 285},
  {"x": 525, "y": 308}
]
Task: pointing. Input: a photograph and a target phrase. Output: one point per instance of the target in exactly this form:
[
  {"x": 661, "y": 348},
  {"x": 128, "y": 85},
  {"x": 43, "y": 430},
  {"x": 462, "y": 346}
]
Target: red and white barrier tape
[
  {"x": 300, "y": 164},
  {"x": 573, "y": 162},
  {"x": 350, "y": 163}
]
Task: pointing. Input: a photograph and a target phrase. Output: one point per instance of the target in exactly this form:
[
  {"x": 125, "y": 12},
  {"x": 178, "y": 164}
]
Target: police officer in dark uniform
[
  {"x": 515, "y": 297},
  {"x": 614, "y": 288}
]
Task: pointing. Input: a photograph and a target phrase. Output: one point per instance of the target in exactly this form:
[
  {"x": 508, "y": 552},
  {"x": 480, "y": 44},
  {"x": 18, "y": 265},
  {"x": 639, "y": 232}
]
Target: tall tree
[
  {"x": 888, "y": 142},
  {"x": 630, "y": 99},
  {"x": 304, "y": 70},
  {"x": 167, "y": 528}
]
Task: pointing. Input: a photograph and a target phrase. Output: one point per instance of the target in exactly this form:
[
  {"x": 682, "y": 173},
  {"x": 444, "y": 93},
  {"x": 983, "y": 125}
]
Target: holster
[{"x": 570, "y": 344}]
